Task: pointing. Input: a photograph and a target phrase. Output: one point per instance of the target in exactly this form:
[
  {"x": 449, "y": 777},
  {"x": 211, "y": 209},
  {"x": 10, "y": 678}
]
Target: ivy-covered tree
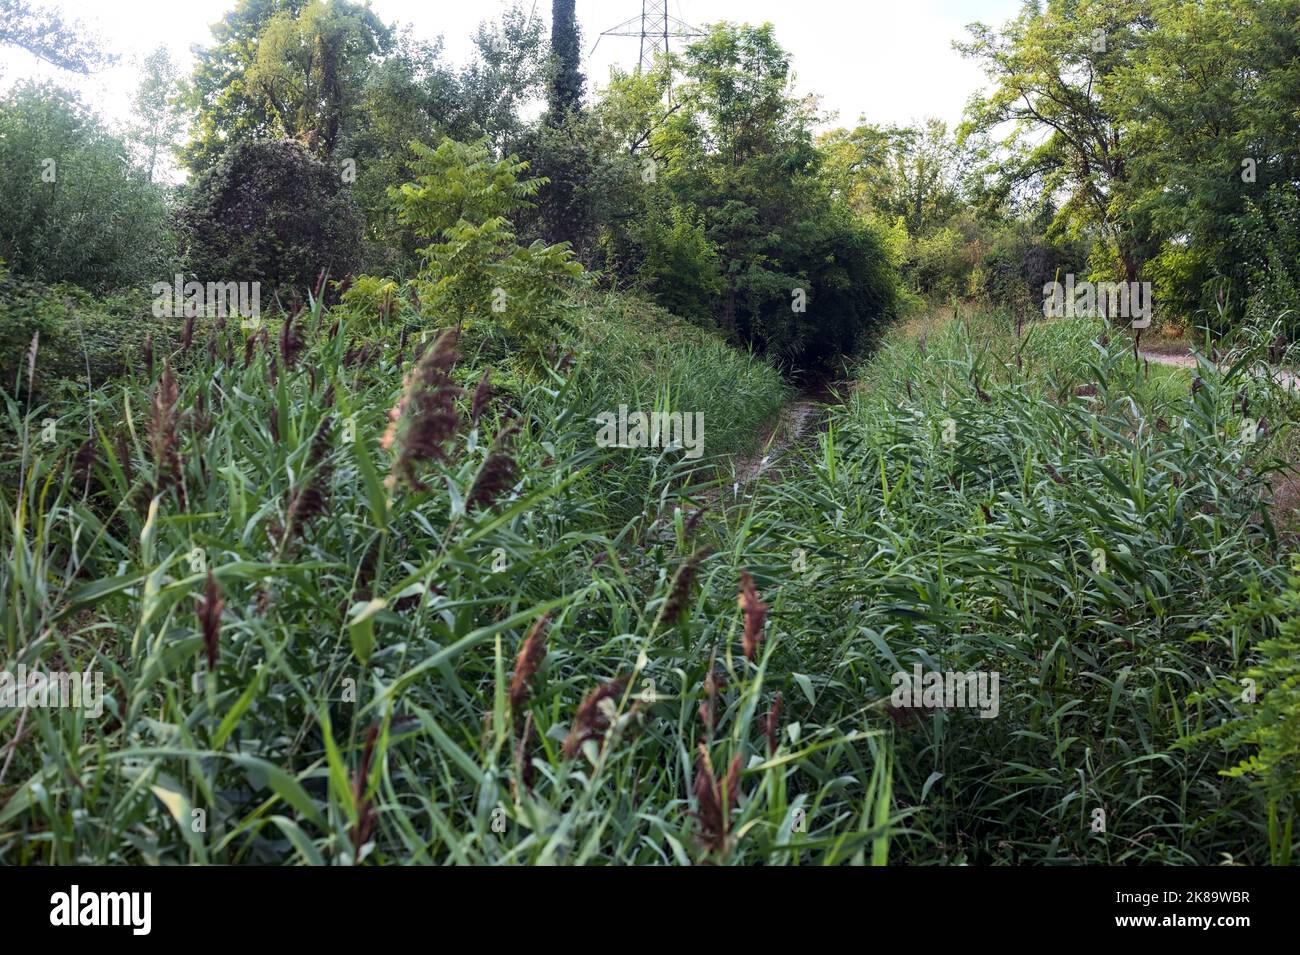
[
  {"x": 269, "y": 212},
  {"x": 566, "y": 52},
  {"x": 308, "y": 68},
  {"x": 281, "y": 68}
]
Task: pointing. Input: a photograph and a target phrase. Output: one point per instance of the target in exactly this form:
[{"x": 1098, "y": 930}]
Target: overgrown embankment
[
  {"x": 1047, "y": 509},
  {"x": 303, "y": 562}
]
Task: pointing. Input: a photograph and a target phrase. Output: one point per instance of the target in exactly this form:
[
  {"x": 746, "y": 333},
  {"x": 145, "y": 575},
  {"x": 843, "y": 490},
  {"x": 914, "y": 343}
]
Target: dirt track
[{"x": 1287, "y": 379}]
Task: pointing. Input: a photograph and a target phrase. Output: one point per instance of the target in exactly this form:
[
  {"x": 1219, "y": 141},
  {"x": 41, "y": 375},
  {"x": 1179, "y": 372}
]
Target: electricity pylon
[{"x": 655, "y": 28}]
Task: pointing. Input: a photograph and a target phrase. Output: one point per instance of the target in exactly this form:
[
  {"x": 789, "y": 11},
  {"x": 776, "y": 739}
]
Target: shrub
[
  {"x": 1268, "y": 240},
  {"x": 75, "y": 210},
  {"x": 269, "y": 212},
  {"x": 1180, "y": 277},
  {"x": 474, "y": 271},
  {"x": 79, "y": 333},
  {"x": 371, "y": 297},
  {"x": 1018, "y": 265},
  {"x": 679, "y": 265},
  {"x": 844, "y": 268}
]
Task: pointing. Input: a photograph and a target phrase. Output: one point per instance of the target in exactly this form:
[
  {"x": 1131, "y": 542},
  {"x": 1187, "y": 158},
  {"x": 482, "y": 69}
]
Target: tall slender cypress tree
[{"x": 566, "y": 48}]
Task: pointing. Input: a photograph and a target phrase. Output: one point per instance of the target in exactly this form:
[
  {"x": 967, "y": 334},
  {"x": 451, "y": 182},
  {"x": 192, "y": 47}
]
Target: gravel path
[{"x": 1288, "y": 379}]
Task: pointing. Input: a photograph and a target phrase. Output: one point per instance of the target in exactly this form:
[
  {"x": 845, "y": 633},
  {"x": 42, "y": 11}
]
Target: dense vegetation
[{"x": 365, "y": 584}]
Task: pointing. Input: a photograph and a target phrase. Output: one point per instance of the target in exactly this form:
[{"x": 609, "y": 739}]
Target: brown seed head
[
  {"x": 715, "y": 799},
  {"x": 426, "y": 417},
  {"x": 755, "y": 614},
  {"x": 210, "y": 606},
  {"x": 679, "y": 595},
  {"x": 499, "y": 471},
  {"x": 591, "y": 720},
  {"x": 531, "y": 653},
  {"x": 482, "y": 395}
]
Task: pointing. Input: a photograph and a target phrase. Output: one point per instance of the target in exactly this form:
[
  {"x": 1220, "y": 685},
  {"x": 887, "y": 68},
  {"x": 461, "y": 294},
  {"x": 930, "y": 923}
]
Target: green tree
[
  {"x": 47, "y": 35},
  {"x": 566, "y": 51},
  {"x": 76, "y": 208},
  {"x": 1056, "y": 71},
  {"x": 510, "y": 68},
  {"x": 801, "y": 277},
  {"x": 308, "y": 67},
  {"x": 159, "y": 116},
  {"x": 739, "y": 150},
  {"x": 908, "y": 173},
  {"x": 409, "y": 95},
  {"x": 475, "y": 273},
  {"x": 1212, "y": 92},
  {"x": 281, "y": 68}
]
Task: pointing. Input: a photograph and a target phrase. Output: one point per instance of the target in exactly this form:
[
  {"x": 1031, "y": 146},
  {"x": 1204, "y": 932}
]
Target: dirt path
[
  {"x": 1287, "y": 379},
  {"x": 797, "y": 420}
]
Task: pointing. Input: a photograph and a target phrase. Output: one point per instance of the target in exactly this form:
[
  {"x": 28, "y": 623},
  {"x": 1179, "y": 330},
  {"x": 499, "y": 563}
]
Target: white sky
[{"x": 891, "y": 61}]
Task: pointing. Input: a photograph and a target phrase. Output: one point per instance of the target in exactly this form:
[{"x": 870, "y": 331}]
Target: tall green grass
[
  {"x": 360, "y": 707},
  {"x": 1043, "y": 506}
]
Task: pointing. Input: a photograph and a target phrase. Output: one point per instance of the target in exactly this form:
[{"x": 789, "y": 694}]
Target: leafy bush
[
  {"x": 269, "y": 212},
  {"x": 678, "y": 264},
  {"x": 940, "y": 263},
  {"x": 1268, "y": 244},
  {"x": 1181, "y": 281},
  {"x": 79, "y": 333},
  {"x": 474, "y": 271},
  {"x": 369, "y": 296},
  {"x": 1266, "y": 704},
  {"x": 75, "y": 209},
  {"x": 1018, "y": 265}
]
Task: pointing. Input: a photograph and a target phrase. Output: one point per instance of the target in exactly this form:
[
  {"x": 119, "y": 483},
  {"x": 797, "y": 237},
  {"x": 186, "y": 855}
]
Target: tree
[
  {"x": 159, "y": 116},
  {"x": 912, "y": 173},
  {"x": 475, "y": 273},
  {"x": 566, "y": 50},
  {"x": 1055, "y": 72},
  {"x": 269, "y": 212},
  {"x": 308, "y": 67},
  {"x": 1212, "y": 92},
  {"x": 734, "y": 196},
  {"x": 76, "y": 209},
  {"x": 742, "y": 147},
  {"x": 45, "y": 34},
  {"x": 281, "y": 68},
  {"x": 509, "y": 69},
  {"x": 409, "y": 95},
  {"x": 217, "y": 93}
]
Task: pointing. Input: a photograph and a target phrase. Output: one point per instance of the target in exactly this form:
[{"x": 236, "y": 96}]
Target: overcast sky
[{"x": 892, "y": 62}]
